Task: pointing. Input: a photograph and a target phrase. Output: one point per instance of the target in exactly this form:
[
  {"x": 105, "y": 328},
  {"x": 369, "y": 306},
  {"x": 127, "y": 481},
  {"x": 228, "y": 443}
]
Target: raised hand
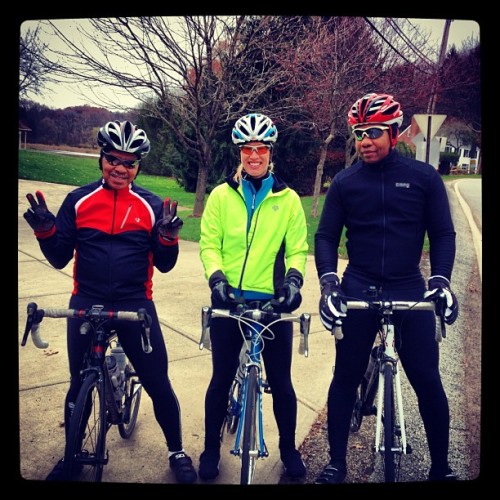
[
  {"x": 38, "y": 216},
  {"x": 170, "y": 225}
]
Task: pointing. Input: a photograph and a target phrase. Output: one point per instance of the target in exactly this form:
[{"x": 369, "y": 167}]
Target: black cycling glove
[
  {"x": 332, "y": 303},
  {"x": 170, "y": 226},
  {"x": 38, "y": 216},
  {"x": 438, "y": 285},
  {"x": 289, "y": 295},
  {"x": 222, "y": 292}
]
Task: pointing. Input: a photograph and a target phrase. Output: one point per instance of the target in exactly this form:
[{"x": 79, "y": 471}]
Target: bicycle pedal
[{"x": 267, "y": 389}]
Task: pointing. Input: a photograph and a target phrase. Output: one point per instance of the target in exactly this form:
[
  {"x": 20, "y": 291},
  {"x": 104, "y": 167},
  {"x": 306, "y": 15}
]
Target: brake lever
[
  {"x": 146, "y": 321},
  {"x": 34, "y": 316}
]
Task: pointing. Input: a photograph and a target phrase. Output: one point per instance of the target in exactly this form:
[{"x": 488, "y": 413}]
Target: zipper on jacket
[
  {"x": 126, "y": 216},
  {"x": 384, "y": 223},
  {"x": 115, "y": 194}
]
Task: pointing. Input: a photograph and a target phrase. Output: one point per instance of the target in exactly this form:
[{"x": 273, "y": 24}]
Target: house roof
[
  {"x": 24, "y": 127},
  {"x": 409, "y": 133}
]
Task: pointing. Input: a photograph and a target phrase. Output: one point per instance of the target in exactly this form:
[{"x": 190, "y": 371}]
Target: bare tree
[
  {"x": 34, "y": 71},
  {"x": 181, "y": 68},
  {"x": 339, "y": 60}
]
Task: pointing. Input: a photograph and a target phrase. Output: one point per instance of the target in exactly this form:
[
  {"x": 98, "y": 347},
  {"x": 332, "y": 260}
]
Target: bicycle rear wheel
[
  {"x": 131, "y": 402},
  {"x": 84, "y": 456},
  {"x": 249, "y": 451},
  {"x": 389, "y": 425}
]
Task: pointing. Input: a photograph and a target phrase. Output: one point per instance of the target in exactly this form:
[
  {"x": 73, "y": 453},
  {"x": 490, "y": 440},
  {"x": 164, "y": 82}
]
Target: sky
[{"x": 63, "y": 96}]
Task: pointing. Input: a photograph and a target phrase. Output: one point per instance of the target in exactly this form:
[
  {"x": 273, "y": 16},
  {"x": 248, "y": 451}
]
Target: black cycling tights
[
  {"x": 277, "y": 355},
  {"x": 152, "y": 368},
  {"x": 419, "y": 355}
]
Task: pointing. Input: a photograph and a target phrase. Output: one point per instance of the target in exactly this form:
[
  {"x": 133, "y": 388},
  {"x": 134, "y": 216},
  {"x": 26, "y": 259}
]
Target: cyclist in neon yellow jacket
[{"x": 253, "y": 246}]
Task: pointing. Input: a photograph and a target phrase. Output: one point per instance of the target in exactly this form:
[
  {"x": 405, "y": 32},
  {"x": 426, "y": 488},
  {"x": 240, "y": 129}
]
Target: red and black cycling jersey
[{"x": 113, "y": 238}]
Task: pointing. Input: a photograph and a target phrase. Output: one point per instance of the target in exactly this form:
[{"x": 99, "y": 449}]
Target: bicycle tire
[
  {"x": 131, "y": 402},
  {"x": 84, "y": 455},
  {"x": 389, "y": 424},
  {"x": 249, "y": 450}
]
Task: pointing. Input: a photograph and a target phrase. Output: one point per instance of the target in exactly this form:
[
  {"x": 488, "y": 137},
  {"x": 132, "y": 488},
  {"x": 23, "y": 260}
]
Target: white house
[
  {"x": 413, "y": 137},
  {"x": 468, "y": 160}
]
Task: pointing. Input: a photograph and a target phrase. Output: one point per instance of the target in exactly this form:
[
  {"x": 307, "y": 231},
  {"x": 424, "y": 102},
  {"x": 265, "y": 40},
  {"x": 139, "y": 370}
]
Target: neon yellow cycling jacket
[{"x": 254, "y": 254}]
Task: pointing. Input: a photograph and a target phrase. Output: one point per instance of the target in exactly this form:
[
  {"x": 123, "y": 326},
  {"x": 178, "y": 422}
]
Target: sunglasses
[
  {"x": 113, "y": 160},
  {"x": 260, "y": 150},
  {"x": 371, "y": 133}
]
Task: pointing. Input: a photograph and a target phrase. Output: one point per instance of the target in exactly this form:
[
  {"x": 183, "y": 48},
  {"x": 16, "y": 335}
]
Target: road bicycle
[
  {"x": 381, "y": 382},
  {"x": 110, "y": 393},
  {"x": 244, "y": 416}
]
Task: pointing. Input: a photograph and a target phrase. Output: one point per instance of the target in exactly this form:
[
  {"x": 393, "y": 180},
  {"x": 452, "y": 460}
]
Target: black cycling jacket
[{"x": 387, "y": 208}]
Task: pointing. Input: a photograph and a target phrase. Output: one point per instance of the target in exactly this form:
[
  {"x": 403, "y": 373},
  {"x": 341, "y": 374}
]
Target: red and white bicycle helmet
[
  {"x": 254, "y": 127},
  {"x": 124, "y": 136},
  {"x": 377, "y": 108}
]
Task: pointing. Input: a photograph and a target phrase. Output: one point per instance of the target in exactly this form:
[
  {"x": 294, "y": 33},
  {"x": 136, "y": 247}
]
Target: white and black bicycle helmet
[
  {"x": 254, "y": 127},
  {"x": 124, "y": 136}
]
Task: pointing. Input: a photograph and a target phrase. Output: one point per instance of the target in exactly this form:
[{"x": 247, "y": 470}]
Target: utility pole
[
  {"x": 442, "y": 53},
  {"x": 435, "y": 84}
]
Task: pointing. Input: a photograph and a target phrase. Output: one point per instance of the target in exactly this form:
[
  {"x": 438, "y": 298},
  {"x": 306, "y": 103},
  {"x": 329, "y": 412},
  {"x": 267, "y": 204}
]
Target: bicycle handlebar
[
  {"x": 96, "y": 315},
  {"x": 385, "y": 307},
  {"x": 255, "y": 313}
]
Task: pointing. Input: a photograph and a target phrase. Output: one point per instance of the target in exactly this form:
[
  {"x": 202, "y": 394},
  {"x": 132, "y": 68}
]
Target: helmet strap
[
  {"x": 394, "y": 133},
  {"x": 100, "y": 160}
]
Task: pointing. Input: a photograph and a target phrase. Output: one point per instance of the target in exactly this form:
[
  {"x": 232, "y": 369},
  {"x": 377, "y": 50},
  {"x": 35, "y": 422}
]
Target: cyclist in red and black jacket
[
  {"x": 387, "y": 204},
  {"x": 117, "y": 232}
]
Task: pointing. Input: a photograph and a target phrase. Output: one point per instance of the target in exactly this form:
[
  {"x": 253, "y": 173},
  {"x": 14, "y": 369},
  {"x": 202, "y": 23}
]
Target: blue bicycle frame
[{"x": 251, "y": 356}]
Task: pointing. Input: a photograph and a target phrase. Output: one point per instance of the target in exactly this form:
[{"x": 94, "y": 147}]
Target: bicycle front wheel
[
  {"x": 249, "y": 450},
  {"x": 389, "y": 424},
  {"x": 84, "y": 456},
  {"x": 131, "y": 402}
]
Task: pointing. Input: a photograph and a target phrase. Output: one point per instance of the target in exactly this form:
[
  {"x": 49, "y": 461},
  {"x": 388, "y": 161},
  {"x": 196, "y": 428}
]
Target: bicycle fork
[{"x": 390, "y": 357}]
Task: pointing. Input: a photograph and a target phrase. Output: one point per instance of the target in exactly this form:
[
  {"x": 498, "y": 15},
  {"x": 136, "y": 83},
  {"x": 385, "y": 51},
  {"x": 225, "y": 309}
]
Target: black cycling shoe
[
  {"x": 57, "y": 473},
  {"x": 442, "y": 475},
  {"x": 332, "y": 474},
  {"x": 209, "y": 465},
  {"x": 183, "y": 468},
  {"x": 294, "y": 465}
]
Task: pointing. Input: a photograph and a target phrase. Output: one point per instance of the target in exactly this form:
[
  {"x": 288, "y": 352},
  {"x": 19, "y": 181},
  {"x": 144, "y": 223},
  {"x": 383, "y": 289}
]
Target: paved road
[
  {"x": 469, "y": 196},
  {"x": 471, "y": 191}
]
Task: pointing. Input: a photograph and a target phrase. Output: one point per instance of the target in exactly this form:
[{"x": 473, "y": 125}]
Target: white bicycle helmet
[
  {"x": 254, "y": 127},
  {"x": 124, "y": 136}
]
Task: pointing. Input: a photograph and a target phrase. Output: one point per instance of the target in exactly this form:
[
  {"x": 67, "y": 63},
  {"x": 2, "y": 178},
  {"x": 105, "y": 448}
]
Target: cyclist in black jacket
[
  {"x": 387, "y": 203},
  {"x": 118, "y": 233}
]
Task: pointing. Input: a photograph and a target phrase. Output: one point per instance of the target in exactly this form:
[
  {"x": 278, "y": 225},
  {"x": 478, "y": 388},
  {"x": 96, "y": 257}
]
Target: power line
[{"x": 374, "y": 28}]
